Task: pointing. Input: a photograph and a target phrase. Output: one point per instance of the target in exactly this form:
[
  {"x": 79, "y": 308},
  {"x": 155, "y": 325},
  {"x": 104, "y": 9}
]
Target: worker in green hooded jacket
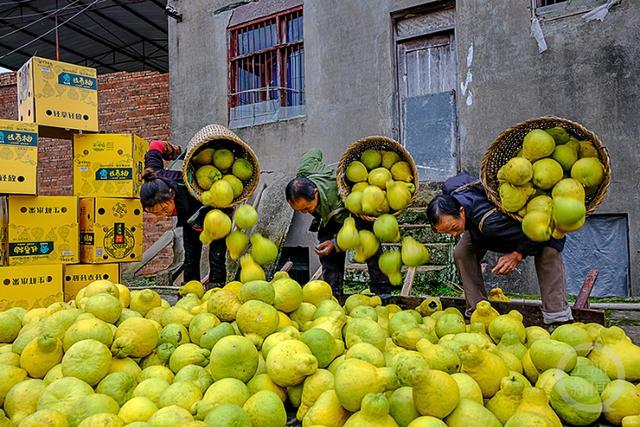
[{"x": 314, "y": 191}]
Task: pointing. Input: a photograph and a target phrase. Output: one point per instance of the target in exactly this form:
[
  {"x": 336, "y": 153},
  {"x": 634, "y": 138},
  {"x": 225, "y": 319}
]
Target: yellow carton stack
[
  {"x": 108, "y": 165},
  {"x": 107, "y": 176},
  {"x": 4, "y": 218},
  {"x": 43, "y": 238},
  {"x": 110, "y": 230},
  {"x": 78, "y": 276},
  {"x": 55, "y": 94},
  {"x": 37, "y": 234},
  {"x": 18, "y": 157},
  {"x": 43, "y": 230},
  {"x": 30, "y": 286}
]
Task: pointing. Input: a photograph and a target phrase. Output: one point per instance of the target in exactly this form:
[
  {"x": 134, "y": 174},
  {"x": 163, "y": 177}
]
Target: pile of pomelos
[{"x": 249, "y": 353}]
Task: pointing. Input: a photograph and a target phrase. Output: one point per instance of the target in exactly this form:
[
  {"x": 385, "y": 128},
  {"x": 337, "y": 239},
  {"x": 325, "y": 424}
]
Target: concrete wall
[{"x": 588, "y": 74}]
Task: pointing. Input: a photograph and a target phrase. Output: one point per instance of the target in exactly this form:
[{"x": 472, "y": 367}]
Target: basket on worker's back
[
  {"x": 372, "y": 143},
  {"x": 509, "y": 142},
  {"x": 218, "y": 137}
]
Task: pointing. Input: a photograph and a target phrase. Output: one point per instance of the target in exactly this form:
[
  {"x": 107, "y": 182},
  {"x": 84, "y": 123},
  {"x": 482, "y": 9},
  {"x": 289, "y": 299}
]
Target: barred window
[{"x": 266, "y": 69}]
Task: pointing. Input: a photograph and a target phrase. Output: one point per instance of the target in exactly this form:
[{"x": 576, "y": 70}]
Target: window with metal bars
[
  {"x": 541, "y": 3},
  {"x": 266, "y": 69}
]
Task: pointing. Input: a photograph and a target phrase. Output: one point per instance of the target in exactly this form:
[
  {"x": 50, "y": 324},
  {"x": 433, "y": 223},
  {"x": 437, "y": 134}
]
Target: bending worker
[
  {"x": 314, "y": 191},
  {"x": 464, "y": 210},
  {"x": 163, "y": 193}
]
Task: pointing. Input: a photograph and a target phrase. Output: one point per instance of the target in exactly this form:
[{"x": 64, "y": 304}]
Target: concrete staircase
[{"x": 434, "y": 278}]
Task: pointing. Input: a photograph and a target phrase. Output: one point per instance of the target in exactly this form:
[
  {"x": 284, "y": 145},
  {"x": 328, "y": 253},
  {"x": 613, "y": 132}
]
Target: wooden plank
[
  {"x": 152, "y": 251},
  {"x": 287, "y": 266},
  {"x": 582, "y": 301},
  {"x": 317, "y": 275},
  {"x": 408, "y": 282}
]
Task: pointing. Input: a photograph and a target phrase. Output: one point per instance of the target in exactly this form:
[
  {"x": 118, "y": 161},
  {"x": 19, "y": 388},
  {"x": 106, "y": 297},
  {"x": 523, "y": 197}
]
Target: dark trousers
[
  {"x": 549, "y": 269},
  {"x": 333, "y": 264},
  {"x": 193, "y": 252}
]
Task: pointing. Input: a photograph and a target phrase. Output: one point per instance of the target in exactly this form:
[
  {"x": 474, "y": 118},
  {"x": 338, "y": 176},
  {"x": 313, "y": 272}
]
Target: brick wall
[{"x": 127, "y": 103}]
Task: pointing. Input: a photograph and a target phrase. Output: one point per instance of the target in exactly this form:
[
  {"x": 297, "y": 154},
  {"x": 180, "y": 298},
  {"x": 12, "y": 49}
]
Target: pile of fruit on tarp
[{"x": 246, "y": 354}]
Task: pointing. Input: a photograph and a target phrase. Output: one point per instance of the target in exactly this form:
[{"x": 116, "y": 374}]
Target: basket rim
[
  {"x": 344, "y": 188},
  {"x": 487, "y": 178},
  {"x": 217, "y": 132}
]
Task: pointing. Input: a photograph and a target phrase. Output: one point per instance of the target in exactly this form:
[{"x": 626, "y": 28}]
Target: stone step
[
  {"x": 425, "y": 193},
  {"x": 412, "y": 216}
]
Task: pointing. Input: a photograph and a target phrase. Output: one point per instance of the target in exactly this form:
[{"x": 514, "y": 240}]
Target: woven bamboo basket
[
  {"x": 217, "y": 137},
  {"x": 509, "y": 142},
  {"x": 354, "y": 152}
]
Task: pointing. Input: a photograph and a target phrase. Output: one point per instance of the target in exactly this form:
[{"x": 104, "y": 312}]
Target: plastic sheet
[
  {"x": 602, "y": 243},
  {"x": 600, "y": 12}
]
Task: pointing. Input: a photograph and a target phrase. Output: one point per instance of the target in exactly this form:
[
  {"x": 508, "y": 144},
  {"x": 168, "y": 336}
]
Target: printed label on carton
[
  {"x": 114, "y": 174},
  {"x": 8, "y": 178},
  {"x": 119, "y": 241},
  {"x": 26, "y": 139},
  {"x": 30, "y": 248},
  {"x": 75, "y": 80},
  {"x": 86, "y": 239}
]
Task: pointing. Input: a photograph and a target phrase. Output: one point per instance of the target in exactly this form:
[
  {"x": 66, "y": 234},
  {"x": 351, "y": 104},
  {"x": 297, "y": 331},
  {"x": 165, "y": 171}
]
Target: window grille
[{"x": 266, "y": 69}]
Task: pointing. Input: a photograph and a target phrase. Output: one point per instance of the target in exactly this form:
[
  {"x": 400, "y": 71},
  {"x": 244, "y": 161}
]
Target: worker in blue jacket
[{"x": 463, "y": 210}]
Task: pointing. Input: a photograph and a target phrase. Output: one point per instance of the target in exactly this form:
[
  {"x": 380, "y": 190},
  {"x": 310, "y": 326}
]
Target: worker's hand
[
  {"x": 325, "y": 248},
  {"x": 171, "y": 151},
  {"x": 507, "y": 263}
]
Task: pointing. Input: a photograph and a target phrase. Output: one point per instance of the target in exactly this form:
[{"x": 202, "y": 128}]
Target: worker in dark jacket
[
  {"x": 314, "y": 191},
  {"x": 464, "y": 210},
  {"x": 163, "y": 193}
]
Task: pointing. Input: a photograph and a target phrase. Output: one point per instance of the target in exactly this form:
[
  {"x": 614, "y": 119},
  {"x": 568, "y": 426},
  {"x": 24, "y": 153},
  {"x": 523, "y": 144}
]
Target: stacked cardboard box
[{"x": 53, "y": 246}]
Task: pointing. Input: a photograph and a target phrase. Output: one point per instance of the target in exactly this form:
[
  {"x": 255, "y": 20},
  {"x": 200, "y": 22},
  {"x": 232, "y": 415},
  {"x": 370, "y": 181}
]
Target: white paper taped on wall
[{"x": 536, "y": 33}]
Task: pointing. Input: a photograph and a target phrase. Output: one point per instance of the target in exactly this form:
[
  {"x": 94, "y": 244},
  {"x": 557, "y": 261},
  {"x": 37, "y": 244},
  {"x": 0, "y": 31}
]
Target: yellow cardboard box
[
  {"x": 18, "y": 157},
  {"x": 77, "y": 276},
  {"x": 4, "y": 223},
  {"x": 110, "y": 230},
  {"x": 108, "y": 165},
  {"x": 43, "y": 230},
  {"x": 57, "y": 94},
  {"x": 30, "y": 286}
]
